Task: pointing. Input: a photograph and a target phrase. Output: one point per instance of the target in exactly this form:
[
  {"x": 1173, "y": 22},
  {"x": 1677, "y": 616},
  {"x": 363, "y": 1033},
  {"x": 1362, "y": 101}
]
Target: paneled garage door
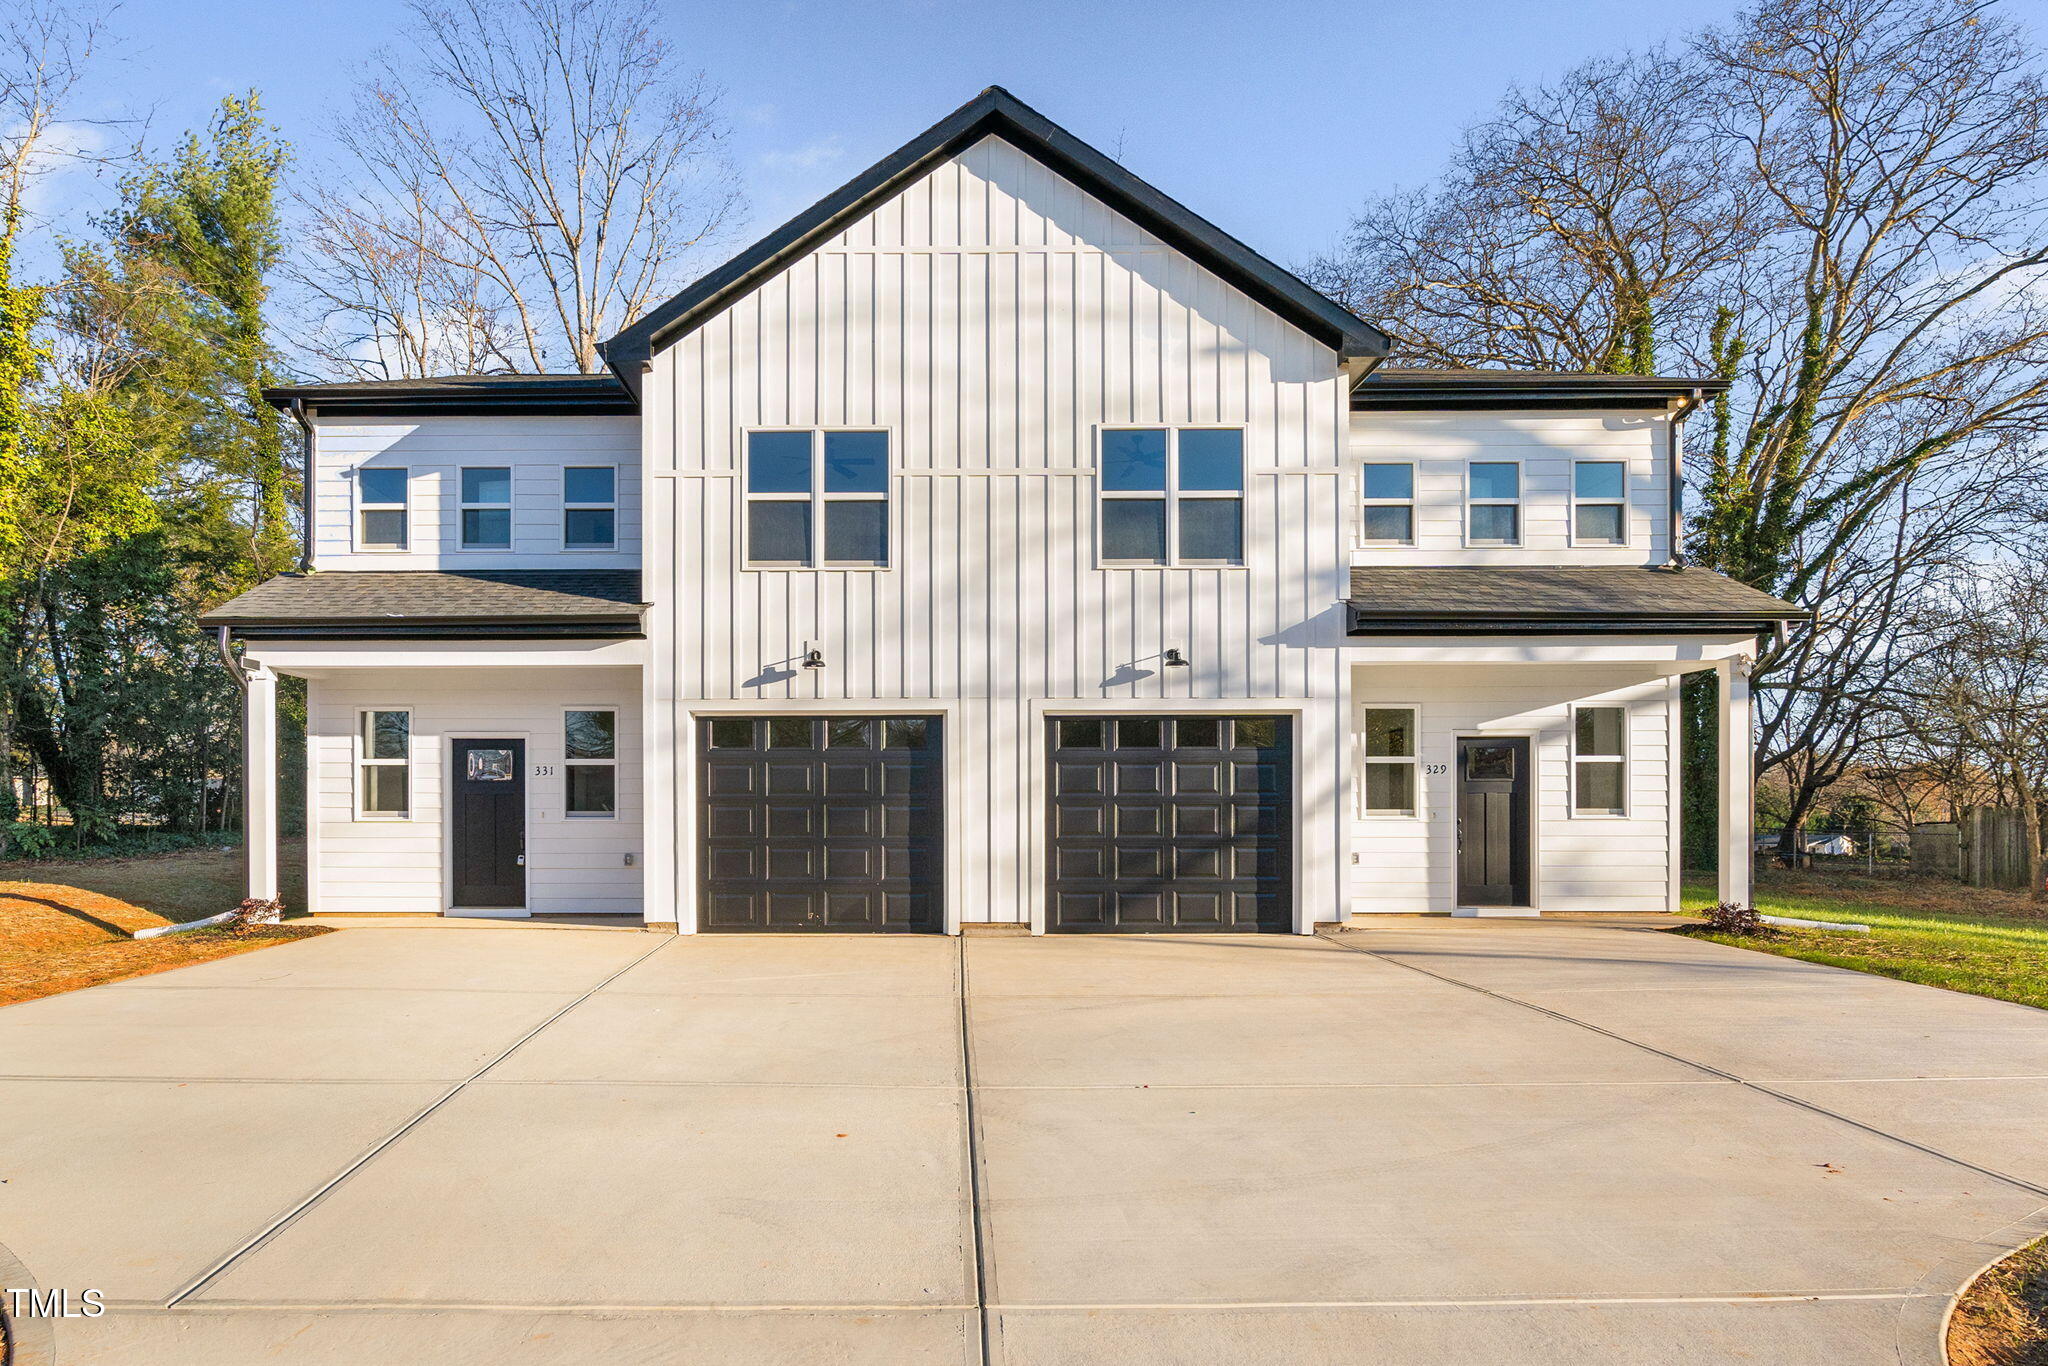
[
  {"x": 1171, "y": 823},
  {"x": 822, "y": 823}
]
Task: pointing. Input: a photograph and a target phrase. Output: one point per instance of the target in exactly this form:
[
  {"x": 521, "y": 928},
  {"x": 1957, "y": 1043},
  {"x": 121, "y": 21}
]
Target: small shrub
[
  {"x": 1732, "y": 917},
  {"x": 24, "y": 839}
]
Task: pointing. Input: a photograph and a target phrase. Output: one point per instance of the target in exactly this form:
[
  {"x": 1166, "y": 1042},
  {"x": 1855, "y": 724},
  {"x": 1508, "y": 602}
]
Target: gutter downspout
[
  {"x": 297, "y": 408},
  {"x": 1676, "y": 532},
  {"x": 234, "y": 667}
]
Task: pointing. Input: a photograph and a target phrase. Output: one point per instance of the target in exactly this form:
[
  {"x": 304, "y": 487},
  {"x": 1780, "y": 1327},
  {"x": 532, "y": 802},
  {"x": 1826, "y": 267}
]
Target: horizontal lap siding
[
  {"x": 1582, "y": 863},
  {"x": 1441, "y": 444},
  {"x": 992, "y": 316},
  {"x": 573, "y": 865},
  {"x": 434, "y": 450}
]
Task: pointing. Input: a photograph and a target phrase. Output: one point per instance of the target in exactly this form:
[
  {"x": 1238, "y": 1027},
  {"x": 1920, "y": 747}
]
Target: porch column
[
  {"x": 259, "y": 780},
  {"x": 1738, "y": 784}
]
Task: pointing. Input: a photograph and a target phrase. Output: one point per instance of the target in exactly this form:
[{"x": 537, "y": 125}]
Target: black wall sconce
[
  {"x": 1174, "y": 659},
  {"x": 814, "y": 658}
]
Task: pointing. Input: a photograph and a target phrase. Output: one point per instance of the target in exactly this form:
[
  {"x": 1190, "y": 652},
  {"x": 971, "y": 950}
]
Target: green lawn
[{"x": 1988, "y": 943}]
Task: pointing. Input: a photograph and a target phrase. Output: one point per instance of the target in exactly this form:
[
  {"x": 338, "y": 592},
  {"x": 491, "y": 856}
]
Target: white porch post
[
  {"x": 1738, "y": 795},
  {"x": 259, "y": 780}
]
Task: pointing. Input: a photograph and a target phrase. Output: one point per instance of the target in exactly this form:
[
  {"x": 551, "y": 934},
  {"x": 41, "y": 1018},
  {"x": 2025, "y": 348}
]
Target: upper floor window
[
  {"x": 487, "y": 508},
  {"x": 381, "y": 510},
  {"x": 590, "y": 507},
  {"x": 1493, "y": 502},
  {"x": 1600, "y": 761},
  {"x": 1172, "y": 495},
  {"x": 1599, "y": 502},
  {"x": 800, "y": 483},
  {"x": 1389, "y": 513},
  {"x": 590, "y": 752}
]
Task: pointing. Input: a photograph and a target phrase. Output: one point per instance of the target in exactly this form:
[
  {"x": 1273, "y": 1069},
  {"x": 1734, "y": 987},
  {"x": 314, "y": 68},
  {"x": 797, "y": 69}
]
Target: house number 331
[{"x": 543, "y": 770}]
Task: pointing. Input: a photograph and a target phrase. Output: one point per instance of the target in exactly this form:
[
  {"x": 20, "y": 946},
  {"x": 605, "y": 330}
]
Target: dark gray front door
[
  {"x": 1493, "y": 822},
  {"x": 489, "y": 853},
  {"x": 1171, "y": 823},
  {"x": 822, "y": 823}
]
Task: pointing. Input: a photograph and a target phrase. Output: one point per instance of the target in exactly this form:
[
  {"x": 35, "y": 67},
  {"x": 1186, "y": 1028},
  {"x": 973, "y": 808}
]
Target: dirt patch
[
  {"x": 1905, "y": 894},
  {"x": 2002, "y": 1319},
  {"x": 55, "y": 937}
]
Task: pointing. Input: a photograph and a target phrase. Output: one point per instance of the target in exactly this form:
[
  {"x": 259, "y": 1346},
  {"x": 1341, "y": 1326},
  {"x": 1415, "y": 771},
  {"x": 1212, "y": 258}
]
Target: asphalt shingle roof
[
  {"x": 1534, "y": 593},
  {"x": 421, "y": 597}
]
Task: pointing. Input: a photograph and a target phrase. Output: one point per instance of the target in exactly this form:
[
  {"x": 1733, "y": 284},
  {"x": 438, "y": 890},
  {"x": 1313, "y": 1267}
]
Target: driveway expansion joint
[
  {"x": 293, "y": 1214},
  {"x": 1759, "y": 1087}
]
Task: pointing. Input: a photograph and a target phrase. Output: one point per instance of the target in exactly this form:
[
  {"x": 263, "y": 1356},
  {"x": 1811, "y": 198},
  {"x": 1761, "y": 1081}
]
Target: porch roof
[
  {"x": 1525, "y": 599},
  {"x": 438, "y": 604}
]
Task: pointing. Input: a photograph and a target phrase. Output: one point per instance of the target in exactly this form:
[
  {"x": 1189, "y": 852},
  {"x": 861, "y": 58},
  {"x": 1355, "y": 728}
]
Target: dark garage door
[
  {"x": 1171, "y": 823},
  {"x": 822, "y": 823}
]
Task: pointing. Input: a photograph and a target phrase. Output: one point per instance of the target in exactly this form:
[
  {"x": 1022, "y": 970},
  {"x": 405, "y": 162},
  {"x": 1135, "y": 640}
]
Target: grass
[
  {"x": 67, "y": 924},
  {"x": 2002, "y": 1318},
  {"x": 1942, "y": 934}
]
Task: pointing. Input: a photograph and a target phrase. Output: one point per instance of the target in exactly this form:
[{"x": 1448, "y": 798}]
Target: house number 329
[
  {"x": 543, "y": 770},
  {"x": 1434, "y": 770}
]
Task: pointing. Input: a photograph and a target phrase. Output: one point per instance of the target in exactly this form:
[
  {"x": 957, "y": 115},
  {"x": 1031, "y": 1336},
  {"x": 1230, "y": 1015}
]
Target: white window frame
[
  {"x": 818, "y": 499},
  {"x": 1576, "y": 502},
  {"x": 568, "y": 507},
  {"x": 1365, "y": 810},
  {"x": 1173, "y": 494},
  {"x": 1624, "y": 759},
  {"x": 358, "y": 539},
  {"x": 362, "y": 760},
  {"x": 463, "y": 505},
  {"x": 1367, "y": 502},
  {"x": 1517, "y": 502},
  {"x": 611, "y": 763}
]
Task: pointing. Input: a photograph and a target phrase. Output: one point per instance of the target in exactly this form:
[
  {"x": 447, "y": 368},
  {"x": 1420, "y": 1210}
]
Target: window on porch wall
[
  {"x": 591, "y": 768},
  {"x": 384, "y": 765},
  {"x": 1391, "y": 780},
  {"x": 1600, "y": 761}
]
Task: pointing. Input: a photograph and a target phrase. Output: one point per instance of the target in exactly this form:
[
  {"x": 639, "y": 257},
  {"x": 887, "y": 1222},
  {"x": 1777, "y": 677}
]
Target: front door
[
  {"x": 1493, "y": 821},
  {"x": 490, "y": 824}
]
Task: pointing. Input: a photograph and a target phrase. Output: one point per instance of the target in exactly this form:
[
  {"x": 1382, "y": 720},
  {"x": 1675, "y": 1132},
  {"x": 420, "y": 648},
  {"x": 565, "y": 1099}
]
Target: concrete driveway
[{"x": 1423, "y": 1142}]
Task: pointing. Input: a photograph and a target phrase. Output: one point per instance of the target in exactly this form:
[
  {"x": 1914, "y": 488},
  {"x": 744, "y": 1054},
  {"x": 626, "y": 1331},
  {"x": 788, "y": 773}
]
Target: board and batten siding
[
  {"x": 574, "y": 864},
  {"x": 992, "y": 316},
  {"x": 434, "y": 451},
  {"x": 1441, "y": 445},
  {"x": 1581, "y": 863}
]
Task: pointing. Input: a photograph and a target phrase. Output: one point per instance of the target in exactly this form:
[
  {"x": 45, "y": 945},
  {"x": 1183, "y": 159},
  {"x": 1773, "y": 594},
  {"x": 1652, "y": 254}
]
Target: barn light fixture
[
  {"x": 814, "y": 658},
  {"x": 1175, "y": 659}
]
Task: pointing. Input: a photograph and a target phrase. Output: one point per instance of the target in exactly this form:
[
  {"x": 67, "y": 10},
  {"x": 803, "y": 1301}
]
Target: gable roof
[{"x": 999, "y": 113}]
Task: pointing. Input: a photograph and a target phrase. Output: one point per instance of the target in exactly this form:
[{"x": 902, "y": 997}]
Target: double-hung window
[
  {"x": 487, "y": 508},
  {"x": 1388, "y": 517},
  {"x": 1600, "y": 761},
  {"x": 1172, "y": 495},
  {"x": 1599, "y": 502},
  {"x": 802, "y": 483},
  {"x": 590, "y": 507},
  {"x": 1493, "y": 502},
  {"x": 381, "y": 511},
  {"x": 384, "y": 765},
  {"x": 590, "y": 753},
  {"x": 1391, "y": 786}
]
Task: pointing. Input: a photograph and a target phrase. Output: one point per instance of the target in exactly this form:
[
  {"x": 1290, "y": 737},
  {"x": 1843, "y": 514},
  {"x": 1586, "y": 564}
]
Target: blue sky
[{"x": 1272, "y": 119}]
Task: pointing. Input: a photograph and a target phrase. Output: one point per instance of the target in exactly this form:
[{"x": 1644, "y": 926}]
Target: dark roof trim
[
  {"x": 1412, "y": 390},
  {"x": 468, "y": 629},
  {"x": 1372, "y": 622},
  {"x": 997, "y": 112},
  {"x": 462, "y": 396}
]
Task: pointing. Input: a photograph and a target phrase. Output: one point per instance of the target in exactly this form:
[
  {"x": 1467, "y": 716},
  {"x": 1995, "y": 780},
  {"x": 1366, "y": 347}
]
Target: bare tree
[
  {"x": 1842, "y": 208},
  {"x": 526, "y": 179}
]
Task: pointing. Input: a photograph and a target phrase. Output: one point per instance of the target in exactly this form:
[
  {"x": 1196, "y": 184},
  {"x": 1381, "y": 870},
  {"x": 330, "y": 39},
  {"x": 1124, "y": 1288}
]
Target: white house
[{"x": 996, "y": 543}]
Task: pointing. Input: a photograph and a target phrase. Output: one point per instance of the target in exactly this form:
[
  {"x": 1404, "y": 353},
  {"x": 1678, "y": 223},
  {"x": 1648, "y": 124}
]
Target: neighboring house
[{"x": 996, "y": 542}]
